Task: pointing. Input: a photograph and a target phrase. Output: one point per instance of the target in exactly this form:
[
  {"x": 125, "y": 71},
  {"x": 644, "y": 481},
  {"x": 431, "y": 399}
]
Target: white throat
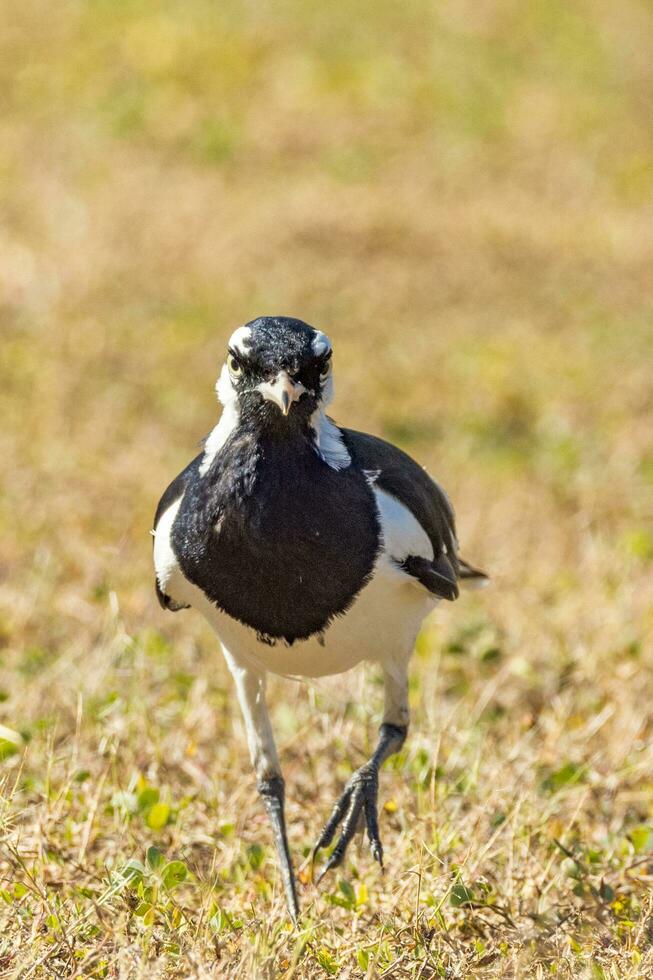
[
  {"x": 227, "y": 423},
  {"x": 329, "y": 442}
]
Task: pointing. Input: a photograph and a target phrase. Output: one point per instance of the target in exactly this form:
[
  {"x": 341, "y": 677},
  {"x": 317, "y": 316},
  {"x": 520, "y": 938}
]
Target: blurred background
[{"x": 461, "y": 196}]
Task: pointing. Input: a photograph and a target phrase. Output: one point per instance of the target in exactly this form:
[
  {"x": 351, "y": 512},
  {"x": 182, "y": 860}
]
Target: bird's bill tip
[{"x": 283, "y": 391}]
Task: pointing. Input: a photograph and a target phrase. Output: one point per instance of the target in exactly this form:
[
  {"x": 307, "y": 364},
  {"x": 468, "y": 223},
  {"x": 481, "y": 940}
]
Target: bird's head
[{"x": 277, "y": 372}]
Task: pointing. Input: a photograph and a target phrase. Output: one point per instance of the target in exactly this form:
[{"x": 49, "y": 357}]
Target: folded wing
[{"x": 396, "y": 473}]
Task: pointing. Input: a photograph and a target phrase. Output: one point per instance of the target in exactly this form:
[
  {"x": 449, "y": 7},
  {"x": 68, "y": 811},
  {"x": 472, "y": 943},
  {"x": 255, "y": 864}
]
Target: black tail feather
[{"x": 467, "y": 572}]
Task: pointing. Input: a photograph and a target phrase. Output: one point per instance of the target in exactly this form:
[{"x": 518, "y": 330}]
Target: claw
[
  {"x": 377, "y": 854},
  {"x": 325, "y": 870}
]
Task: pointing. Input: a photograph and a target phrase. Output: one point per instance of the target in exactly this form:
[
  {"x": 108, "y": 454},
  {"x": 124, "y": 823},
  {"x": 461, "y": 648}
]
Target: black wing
[
  {"x": 177, "y": 487},
  {"x": 398, "y": 474},
  {"x": 173, "y": 492}
]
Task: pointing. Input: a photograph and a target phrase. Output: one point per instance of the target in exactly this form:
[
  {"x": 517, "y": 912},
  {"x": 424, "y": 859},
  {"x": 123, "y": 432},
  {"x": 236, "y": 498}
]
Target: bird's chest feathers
[{"x": 278, "y": 539}]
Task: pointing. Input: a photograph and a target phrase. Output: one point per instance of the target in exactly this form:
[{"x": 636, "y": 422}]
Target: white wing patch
[
  {"x": 403, "y": 535},
  {"x": 165, "y": 560}
]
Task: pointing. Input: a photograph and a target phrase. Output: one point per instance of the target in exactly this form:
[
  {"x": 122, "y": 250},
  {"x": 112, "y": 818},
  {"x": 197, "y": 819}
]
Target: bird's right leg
[
  {"x": 250, "y": 687},
  {"x": 360, "y": 795}
]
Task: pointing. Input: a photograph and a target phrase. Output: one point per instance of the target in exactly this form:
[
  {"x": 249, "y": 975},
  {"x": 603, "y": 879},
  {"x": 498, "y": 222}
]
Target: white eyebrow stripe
[
  {"x": 321, "y": 343},
  {"x": 240, "y": 340}
]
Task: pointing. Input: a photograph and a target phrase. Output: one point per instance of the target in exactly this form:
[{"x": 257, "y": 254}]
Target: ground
[{"x": 461, "y": 195}]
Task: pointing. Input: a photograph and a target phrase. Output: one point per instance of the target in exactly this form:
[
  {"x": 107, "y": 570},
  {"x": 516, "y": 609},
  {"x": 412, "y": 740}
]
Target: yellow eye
[{"x": 235, "y": 369}]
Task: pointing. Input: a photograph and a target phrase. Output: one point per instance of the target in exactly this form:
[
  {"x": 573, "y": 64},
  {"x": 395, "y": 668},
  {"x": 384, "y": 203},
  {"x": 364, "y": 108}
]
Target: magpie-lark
[{"x": 309, "y": 548}]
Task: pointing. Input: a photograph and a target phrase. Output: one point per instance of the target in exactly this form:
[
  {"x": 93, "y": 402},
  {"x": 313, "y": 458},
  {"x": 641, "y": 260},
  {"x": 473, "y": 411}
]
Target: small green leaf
[
  {"x": 327, "y": 961},
  {"x": 642, "y": 839},
  {"x": 255, "y": 855},
  {"x": 461, "y": 895},
  {"x": 133, "y": 872},
  {"x": 568, "y": 775},
  {"x": 154, "y": 858},
  {"x": 491, "y": 654},
  {"x": 147, "y": 798},
  {"x": 363, "y": 958},
  {"x": 222, "y": 920},
  {"x": 348, "y": 892},
  {"x": 173, "y": 874},
  {"x": 7, "y": 749},
  {"x": 158, "y": 816},
  {"x": 571, "y": 869},
  {"x": 10, "y": 742}
]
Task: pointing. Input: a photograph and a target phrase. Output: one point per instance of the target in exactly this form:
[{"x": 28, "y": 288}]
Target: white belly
[{"x": 381, "y": 625}]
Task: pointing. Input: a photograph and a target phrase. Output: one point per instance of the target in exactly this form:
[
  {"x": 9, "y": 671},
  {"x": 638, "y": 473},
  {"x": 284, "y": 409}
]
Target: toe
[
  {"x": 358, "y": 802},
  {"x": 372, "y": 821},
  {"x": 349, "y": 826},
  {"x": 333, "y": 822},
  {"x": 334, "y": 860}
]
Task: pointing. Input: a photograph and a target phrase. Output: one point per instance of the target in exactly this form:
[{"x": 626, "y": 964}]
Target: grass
[{"x": 461, "y": 195}]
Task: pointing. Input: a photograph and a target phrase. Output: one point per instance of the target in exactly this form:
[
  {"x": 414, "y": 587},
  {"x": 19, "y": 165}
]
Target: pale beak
[{"x": 283, "y": 391}]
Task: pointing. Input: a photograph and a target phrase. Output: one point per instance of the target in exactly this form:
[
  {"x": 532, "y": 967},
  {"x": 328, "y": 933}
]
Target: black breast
[{"x": 276, "y": 538}]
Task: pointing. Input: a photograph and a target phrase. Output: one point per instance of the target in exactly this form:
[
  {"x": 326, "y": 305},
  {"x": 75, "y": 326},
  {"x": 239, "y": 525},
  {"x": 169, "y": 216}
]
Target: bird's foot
[{"x": 359, "y": 799}]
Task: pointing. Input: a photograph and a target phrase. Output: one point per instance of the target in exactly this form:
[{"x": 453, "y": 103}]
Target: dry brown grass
[{"x": 462, "y": 196}]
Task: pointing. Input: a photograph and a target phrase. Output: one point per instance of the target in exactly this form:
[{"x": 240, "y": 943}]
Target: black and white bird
[{"x": 309, "y": 548}]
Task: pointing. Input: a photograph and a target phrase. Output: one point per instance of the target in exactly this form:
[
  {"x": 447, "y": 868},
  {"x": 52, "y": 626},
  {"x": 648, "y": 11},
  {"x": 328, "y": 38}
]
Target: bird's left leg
[
  {"x": 360, "y": 795},
  {"x": 250, "y": 687}
]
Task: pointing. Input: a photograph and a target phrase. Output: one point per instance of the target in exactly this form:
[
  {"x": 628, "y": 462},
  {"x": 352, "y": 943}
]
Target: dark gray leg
[
  {"x": 360, "y": 795},
  {"x": 273, "y": 795}
]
